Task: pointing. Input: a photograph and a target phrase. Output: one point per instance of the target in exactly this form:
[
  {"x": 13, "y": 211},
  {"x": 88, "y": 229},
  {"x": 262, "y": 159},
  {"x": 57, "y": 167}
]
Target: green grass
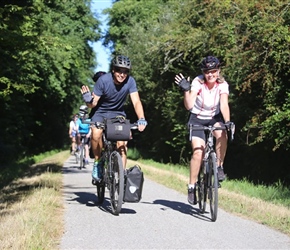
[
  {"x": 276, "y": 194},
  {"x": 32, "y": 203},
  {"x": 18, "y": 169}
]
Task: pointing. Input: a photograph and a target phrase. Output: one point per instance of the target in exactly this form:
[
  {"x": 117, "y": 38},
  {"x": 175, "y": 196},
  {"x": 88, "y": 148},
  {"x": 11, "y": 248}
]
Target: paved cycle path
[{"x": 161, "y": 220}]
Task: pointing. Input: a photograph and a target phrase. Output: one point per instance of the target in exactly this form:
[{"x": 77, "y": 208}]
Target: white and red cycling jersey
[{"x": 207, "y": 103}]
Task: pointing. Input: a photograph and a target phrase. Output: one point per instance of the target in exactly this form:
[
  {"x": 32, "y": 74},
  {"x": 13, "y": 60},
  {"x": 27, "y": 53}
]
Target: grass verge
[{"x": 31, "y": 207}]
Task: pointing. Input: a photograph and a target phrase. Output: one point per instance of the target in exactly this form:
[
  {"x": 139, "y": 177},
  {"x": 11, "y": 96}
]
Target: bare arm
[
  {"x": 224, "y": 105},
  {"x": 138, "y": 107},
  {"x": 189, "y": 99},
  {"x": 89, "y": 134},
  {"x": 69, "y": 131}
]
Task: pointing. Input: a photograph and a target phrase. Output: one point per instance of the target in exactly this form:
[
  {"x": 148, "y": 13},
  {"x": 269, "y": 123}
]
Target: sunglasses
[
  {"x": 213, "y": 71},
  {"x": 122, "y": 71}
]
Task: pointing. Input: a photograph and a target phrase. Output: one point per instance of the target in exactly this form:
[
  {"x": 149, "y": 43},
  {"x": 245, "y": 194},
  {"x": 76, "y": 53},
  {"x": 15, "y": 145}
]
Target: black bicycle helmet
[
  {"x": 210, "y": 62},
  {"x": 83, "y": 110},
  {"x": 122, "y": 62},
  {"x": 97, "y": 75}
]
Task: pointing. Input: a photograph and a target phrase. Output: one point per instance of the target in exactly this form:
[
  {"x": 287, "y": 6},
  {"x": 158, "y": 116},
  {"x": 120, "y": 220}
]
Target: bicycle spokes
[{"x": 117, "y": 182}]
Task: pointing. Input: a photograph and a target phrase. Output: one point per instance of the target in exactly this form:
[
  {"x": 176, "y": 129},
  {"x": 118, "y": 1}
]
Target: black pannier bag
[
  {"x": 117, "y": 129},
  {"x": 134, "y": 179}
]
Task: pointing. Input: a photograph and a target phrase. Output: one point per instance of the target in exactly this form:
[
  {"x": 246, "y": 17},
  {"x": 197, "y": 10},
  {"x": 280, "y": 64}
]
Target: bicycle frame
[
  {"x": 82, "y": 150},
  {"x": 207, "y": 178},
  {"x": 113, "y": 172}
]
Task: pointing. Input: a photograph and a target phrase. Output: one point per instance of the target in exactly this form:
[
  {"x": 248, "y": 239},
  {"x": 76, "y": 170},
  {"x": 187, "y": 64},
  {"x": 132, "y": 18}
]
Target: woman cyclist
[
  {"x": 73, "y": 130},
  {"x": 206, "y": 98}
]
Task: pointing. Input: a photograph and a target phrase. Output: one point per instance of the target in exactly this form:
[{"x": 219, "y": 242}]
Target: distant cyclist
[
  {"x": 109, "y": 95},
  {"x": 73, "y": 130},
  {"x": 84, "y": 131},
  {"x": 206, "y": 98}
]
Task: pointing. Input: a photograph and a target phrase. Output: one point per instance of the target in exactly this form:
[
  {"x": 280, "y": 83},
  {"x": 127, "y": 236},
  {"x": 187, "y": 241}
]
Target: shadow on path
[{"x": 181, "y": 207}]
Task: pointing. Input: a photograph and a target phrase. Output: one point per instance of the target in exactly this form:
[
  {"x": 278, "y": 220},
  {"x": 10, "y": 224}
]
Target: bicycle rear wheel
[
  {"x": 213, "y": 186},
  {"x": 202, "y": 188},
  {"x": 116, "y": 182}
]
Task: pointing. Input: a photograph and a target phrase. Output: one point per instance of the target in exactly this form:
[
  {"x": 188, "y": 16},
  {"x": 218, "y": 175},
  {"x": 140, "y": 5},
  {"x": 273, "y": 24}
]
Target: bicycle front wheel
[
  {"x": 82, "y": 156},
  {"x": 116, "y": 182},
  {"x": 101, "y": 192},
  {"x": 213, "y": 186},
  {"x": 77, "y": 157},
  {"x": 202, "y": 188}
]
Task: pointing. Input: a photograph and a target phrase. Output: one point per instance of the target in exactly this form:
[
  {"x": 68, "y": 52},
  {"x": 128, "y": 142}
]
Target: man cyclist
[
  {"x": 206, "y": 98},
  {"x": 108, "y": 96},
  {"x": 84, "y": 131}
]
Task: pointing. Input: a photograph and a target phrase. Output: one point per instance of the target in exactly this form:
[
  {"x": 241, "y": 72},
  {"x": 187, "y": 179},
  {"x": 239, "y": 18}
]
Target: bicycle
[
  {"x": 207, "y": 181},
  {"x": 76, "y": 154},
  {"x": 82, "y": 151},
  {"x": 113, "y": 171}
]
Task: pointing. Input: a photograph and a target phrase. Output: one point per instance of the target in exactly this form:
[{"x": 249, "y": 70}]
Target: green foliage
[
  {"x": 251, "y": 38},
  {"x": 46, "y": 58},
  {"x": 133, "y": 153}
]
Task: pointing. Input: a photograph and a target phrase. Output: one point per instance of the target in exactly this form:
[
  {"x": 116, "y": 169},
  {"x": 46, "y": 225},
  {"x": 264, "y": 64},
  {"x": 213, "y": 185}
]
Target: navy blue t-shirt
[{"x": 112, "y": 96}]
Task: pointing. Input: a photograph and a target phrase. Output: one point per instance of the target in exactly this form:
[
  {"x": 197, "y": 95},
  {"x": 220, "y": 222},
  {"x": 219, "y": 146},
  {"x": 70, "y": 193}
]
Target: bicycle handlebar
[
  {"x": 102, "y": 125},
  {"x": 206, "y": 128},
  {"x": 230, "y": 129}
]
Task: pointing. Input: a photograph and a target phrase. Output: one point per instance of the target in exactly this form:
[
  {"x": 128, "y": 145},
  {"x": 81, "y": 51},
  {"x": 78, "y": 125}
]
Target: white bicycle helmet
[{"x": 83, "y": 110}]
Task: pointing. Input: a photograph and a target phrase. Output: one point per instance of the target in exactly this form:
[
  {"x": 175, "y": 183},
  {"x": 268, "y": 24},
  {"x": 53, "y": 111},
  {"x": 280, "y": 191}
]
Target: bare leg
[
  {"x": 73, "y": 144},
  {"x": 78, "y": 141},
  {"x": 122, "y": 148},
  {"x": 196, "y": 159},
  {"x": 87, "y": 154},
  {"x": 97, "y": 143},
  {"x": 221, "y": 146}
]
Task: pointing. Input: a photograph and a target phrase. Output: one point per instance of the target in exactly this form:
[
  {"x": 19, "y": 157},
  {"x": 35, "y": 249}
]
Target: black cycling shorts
[{"x": 193, "y": 120}]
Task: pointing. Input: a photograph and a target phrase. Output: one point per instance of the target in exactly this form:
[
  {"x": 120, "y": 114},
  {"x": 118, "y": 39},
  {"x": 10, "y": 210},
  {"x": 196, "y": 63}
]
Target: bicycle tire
[
  {"x": 202, "y": 189},
  {"x": 82, "y": 158},
  {"x": 77, "y": 157},
  {"x": 101, "y": 192},
  {"x": 116, "y": 182},
  {"x": 213, "y": 186}
]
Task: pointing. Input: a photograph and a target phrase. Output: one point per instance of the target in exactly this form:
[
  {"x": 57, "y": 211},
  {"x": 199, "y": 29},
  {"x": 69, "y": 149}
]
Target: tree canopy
[
  {"x": 251, "y": 38},
  {"x": 46, "y": 56}
]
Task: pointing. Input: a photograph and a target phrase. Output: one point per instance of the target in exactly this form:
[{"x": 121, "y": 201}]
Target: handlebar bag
[
  {"x": 134, "y": 179},
  {"x": 117, "y": 129}
]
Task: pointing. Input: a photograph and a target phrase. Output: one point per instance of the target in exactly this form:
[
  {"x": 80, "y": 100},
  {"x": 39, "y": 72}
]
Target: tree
[{"x": 47, "y": 58}]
